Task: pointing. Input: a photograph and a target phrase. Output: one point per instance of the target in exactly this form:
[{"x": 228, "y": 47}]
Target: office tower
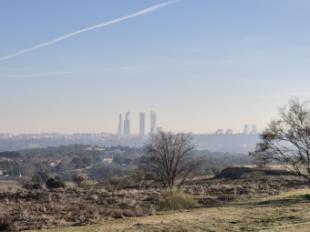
[
  {"x": 254, "y": 129},
  {"x": 142, "y": 124},
  {"x": 246, "y": 129},
  {"x": 127, "y": 124},
  {"x": 153, "y": 123},
  {"x": 120, "y": 125}
]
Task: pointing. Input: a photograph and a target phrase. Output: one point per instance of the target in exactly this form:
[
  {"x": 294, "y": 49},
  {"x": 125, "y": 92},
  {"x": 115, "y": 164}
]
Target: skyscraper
[
  {"x": 120, "y": 125},
  {"x": 246, "y": 129},
  {"x": 153, "y": 122},
  {"x": 127, "y": 124},
  {"x": 254, "y": 129},
  {"x": 142, "y": 124}
]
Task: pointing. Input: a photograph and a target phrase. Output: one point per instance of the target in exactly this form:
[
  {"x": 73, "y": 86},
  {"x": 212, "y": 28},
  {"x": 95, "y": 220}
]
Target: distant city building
[
  {"x": 254, "y": 129},
  {"x": 53, "y": 163},
  {"x": 3, "y": 172},
  {"x": 107, "y": 160},
  {"x": 219, "y": 131},
  {"x": 142, "y": 124},
  {"x": 127, "y": 124},
  {"x": 153, "y": 122},
  {"x": 120, "y": 125},
  {"x": 246, "y": 129},
  {"x": 229, "y": 131}
]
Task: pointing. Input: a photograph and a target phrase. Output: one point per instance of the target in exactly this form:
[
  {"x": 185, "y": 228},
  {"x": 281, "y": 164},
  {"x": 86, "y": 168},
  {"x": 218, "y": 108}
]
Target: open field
[
  {"x": 8, "y": 185},
  {"x": 236, "y": 199},
  {"x": 289, "y": 211}
]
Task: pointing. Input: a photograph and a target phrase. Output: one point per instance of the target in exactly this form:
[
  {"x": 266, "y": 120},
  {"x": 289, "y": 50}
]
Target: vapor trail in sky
[{"x": 97, "y": 26}]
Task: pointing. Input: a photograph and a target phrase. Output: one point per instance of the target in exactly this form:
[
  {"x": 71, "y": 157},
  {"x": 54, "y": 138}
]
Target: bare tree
[
  {"x": 287, "y": 140},
  {"x": 168, "y": 157}
]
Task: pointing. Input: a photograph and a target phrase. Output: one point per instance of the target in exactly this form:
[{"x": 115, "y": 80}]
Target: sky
[{"x": 200, "y": 64}]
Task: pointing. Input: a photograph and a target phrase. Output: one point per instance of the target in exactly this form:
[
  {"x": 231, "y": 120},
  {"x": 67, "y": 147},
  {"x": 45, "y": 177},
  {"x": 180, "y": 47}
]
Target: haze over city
[
  {"x": 154, "y": 115},
  {"x": 201, "y": 65}
]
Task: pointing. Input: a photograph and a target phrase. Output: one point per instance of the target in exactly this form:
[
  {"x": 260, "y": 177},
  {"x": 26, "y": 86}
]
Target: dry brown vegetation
[
  {"x": 41, "y": 208},
  {"x": 8, "y": 186},
  {"x": 286, "y": 212}
]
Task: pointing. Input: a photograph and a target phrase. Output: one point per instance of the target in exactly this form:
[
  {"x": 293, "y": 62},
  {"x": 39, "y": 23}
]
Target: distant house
[
  {"x": 5, "y": 159},
  {"x": 53, "y": 163},
  {"x": 96, "y": 148},
  {"x": 107, "y": 160},
  {"x": 3, "y": 172}
]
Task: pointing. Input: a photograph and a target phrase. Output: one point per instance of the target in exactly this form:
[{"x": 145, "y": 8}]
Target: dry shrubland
[{"x": 74, "y": 206}]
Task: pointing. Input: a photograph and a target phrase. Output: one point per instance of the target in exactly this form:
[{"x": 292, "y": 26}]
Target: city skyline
[
  {"x": 124, "y": 128},
  {"x": 202, "y": 65}
]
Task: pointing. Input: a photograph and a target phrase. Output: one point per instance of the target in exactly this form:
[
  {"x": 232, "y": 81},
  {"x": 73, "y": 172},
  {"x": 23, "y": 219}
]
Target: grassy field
[{"x": 286, "y": 212}]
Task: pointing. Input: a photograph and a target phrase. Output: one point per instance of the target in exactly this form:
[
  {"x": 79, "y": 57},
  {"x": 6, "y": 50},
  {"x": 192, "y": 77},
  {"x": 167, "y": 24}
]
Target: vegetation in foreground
[
  {"x": 288, "y": 211},
  {"x": 30, "y": 209}
]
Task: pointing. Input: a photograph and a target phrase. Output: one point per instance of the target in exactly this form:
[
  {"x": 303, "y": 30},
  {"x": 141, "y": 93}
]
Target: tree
[
  {"x": 40, "y": 177},
  {"x": 53, "y": 183},
  {"x": 287, "y": 139},
  {"x": 168, "y": 157},
  {"x": 78, "y": 178}
]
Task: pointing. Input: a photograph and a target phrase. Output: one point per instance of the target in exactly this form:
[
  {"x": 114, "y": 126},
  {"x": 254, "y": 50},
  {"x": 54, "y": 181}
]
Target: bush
[
  {"x": 31, "y": 185},
  {"x": 78, "y": 178},
  {"x": 40, "y": 177},
  {"x": 172, "y": 199},
  {"x": 6, "y": 223},
  {"x": 132, "y": 179},
  {"x": 53, "y": 183},
  {"x": 88, "y": 184},
  {"x": 121, "y": 181}
]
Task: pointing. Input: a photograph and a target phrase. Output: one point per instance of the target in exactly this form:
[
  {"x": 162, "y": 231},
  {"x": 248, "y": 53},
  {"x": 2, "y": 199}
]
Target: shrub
[
  {"x": 78, "y": 178},
  {"x": 121, "y": 181},
  {"x": 53, "y": 183},
  {"x": 6, "y": 223},
  {"x": 40, "y": 177},
  {"x": 307, "y": 197},
  {"x": 133, "y": 179},
  {"x": 172, "y": 199},
  {"x": 87, "y": 184},
  {"x": 31, "y": 185}
]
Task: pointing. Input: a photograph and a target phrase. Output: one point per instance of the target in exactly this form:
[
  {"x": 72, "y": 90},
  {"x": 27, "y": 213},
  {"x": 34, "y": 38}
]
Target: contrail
[
  {"x": 97, "y": 26},
  {"x": 38, "y": 74}
]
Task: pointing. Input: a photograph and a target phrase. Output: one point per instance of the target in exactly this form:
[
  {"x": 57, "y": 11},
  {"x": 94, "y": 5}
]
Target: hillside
[{"x": 289, "y": 211}]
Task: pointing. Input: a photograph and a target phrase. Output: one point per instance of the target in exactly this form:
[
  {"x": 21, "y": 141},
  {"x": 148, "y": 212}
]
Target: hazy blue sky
[{"x": 200, "y": 64}]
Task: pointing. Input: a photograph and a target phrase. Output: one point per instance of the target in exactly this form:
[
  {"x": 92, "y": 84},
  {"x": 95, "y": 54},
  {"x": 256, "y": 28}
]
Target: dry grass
[
  {"x": 173, "y": 199},
  {"x": 286, "y": 212},
  {"x": 8, "y": 186}
]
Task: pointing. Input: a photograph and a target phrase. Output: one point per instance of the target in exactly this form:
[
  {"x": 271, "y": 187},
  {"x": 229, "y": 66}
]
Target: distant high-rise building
[
  {"x": 127, "y": 124},
  {"x": 120, "y": 125},
  {"x": 246, "y": 129},
  {"x": 142, "y": 124},
  {"x": 229, "y": 131},
  {"x": 153, "y": 122},
  {"x": 254, "y": 129}
]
